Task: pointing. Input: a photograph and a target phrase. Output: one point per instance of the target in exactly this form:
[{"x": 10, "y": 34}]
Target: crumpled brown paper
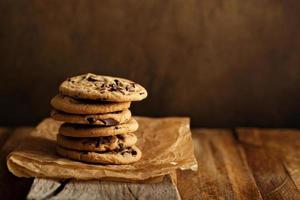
[{"x": 166, "y": 144}]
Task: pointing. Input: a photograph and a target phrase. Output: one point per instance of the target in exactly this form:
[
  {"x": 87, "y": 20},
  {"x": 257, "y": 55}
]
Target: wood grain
[
  {"x": 222, "y": 172},
  {"x": 273, "y": 157},
  {"x": 245, "y": 164},
  {"x": 209, "y": 59},
  {"x": 12, "y": 187},
  {"x": 106, "y": 190}
]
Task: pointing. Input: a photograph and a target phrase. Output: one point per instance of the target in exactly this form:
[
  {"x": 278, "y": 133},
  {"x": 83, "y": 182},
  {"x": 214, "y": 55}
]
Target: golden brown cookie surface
[
  {"x": 123, "y": 156},
  {"x": 103, "y": 88},
  {"x": 97, "y": 144},
  {"x": 81, "y": 130},
  {"x": 76, "y": 106},
  {"x": 107, "y": 119}
]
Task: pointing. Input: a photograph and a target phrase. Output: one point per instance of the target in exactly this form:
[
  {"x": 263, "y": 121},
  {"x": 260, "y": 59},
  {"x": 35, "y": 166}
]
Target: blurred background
[{"x": 223, "y": 63}]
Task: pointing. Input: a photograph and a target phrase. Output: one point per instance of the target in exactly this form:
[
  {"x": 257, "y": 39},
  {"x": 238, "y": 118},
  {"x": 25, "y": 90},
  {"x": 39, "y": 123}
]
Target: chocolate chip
[
  {"x": 109, "y": 121},
  {"x": 133, "y": 85},
  {"x": 129, "y": 88},
  {"x": 133, "y": 152},
  {"x": 98, "y": 141},
  {"x": 117, "y": 81},
  {"x": 117, "y": 127},
  {"x": 91, "y": 120},
  {"x": 121, "y": 137},
  {"x": 141, "y": 93},
  {"x": 91, "y": 79},
  {"x": 113, "y": 87}
]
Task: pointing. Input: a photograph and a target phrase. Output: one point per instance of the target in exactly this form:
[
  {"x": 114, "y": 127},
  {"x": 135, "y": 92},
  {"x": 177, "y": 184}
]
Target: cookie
[
  {"x": 86, "y": 107},
  {"x": 106, "y": 143},
  {"x": 103, "y": 88},
  {"x": 124, "y": 156},
  {"x": 108, "y": 119},
  {"x": 81, "y": 130}
]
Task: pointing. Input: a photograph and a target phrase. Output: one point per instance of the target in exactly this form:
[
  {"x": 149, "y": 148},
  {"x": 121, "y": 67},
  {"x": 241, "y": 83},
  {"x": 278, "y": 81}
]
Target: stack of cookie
[{"x": 98, "y": 125}]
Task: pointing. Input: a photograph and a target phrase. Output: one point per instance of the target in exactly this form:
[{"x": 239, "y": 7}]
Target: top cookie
[{"x": 104, "y": 88}]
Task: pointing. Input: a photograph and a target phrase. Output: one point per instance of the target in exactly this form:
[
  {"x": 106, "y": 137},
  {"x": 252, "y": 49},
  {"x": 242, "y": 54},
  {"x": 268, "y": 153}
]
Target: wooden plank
[
  {"x": 44, "y": 188},
  {"x": 222, "y": 173},
  {"x": 72, "y": 189},
  {"x": 75, "y": 189},
  {"x": 12, "y": 187},
  {"x": 273, "y": 156}
]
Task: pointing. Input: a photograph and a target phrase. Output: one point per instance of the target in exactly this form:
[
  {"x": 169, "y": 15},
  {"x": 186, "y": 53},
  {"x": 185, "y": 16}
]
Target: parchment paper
[{"x": 166, "y": 144}]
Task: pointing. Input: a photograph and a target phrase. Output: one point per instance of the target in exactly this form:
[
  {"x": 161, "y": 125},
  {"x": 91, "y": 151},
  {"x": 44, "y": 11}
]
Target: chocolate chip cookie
[
  {"x": 98, "y": 127},
  {"x": 85, "y": 107},
  {"x": 107, "y": 119},
  {"x": 80, "y": 130},
  {"x": 121, "y": 156},
  {"x": 103, "y": 88},
  {"x": 98, "y": 144}
]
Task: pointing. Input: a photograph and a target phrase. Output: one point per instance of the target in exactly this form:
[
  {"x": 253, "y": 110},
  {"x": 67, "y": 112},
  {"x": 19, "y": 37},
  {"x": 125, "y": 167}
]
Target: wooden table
[{"x": 244, "y": 163}]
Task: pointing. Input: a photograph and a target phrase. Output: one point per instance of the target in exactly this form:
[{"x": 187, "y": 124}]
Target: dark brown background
[{"x": 224, "y": 63}]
